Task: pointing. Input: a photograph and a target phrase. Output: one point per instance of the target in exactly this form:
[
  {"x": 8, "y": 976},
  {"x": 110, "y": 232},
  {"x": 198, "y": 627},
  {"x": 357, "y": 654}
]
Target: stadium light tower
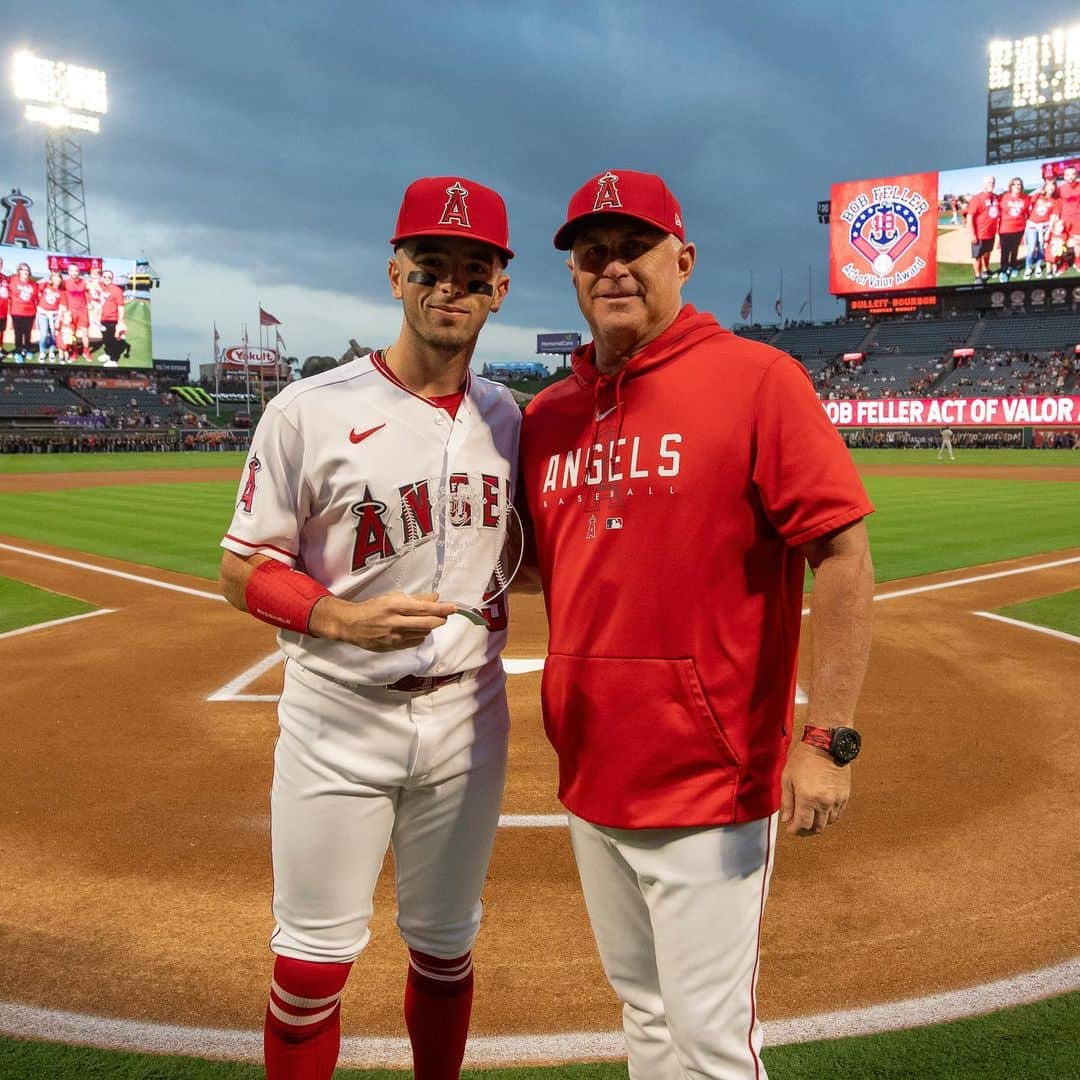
[
  {"x": 1033, "y": 99},
  {"x": 67, "y": 99}
]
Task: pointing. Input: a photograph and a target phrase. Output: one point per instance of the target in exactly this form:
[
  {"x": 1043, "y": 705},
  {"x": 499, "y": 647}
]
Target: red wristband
[{"x": 282, "y": 597}]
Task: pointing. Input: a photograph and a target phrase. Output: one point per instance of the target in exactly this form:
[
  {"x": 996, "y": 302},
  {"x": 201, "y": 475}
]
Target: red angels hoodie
[{"x": 668, "y": 503}]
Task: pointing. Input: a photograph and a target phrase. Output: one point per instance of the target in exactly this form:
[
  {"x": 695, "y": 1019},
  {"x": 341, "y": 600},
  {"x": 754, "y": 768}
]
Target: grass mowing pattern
[
  {"x": 119, "y": 462},
  {"x": 1032, "y": 1041},
  {"x": 921, "y": 526},
  {"x": 171, "y": 526},
  {"x": 23, "y": 605},
  {"x": 924, "y": 526},
  {"x": 1061, "y": 612}
]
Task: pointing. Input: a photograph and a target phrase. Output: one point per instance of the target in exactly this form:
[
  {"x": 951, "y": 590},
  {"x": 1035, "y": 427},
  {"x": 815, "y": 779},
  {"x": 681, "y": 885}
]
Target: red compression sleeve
[{"x": 282, "y": 597}]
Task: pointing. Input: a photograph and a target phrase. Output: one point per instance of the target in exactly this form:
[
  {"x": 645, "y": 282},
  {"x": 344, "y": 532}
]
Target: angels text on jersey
[{"x": 625, "y": 466}]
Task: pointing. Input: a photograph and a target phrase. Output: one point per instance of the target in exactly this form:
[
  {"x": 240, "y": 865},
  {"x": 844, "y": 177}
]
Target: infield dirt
[{"x": 134, "y": 829}]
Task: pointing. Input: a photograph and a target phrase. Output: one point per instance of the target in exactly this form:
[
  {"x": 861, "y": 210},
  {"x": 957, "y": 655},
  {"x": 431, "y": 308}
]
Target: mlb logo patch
[{"x": 613, "y": 523}]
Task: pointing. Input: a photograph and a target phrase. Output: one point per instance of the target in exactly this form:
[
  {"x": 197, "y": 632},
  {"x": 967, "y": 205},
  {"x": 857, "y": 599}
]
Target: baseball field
[{"x": 934, "y": 933}]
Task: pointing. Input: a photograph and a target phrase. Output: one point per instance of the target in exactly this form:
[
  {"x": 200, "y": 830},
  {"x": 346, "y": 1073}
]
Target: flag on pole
[
  {"x": 747, "y": 306},
  {"x": 280, "y": 344},
  {"x": 266, "y": 319},
  {"x": 779, "y": 305},
  {"x": 217, "y": 369},
  {"x": 803, "y": 307}
]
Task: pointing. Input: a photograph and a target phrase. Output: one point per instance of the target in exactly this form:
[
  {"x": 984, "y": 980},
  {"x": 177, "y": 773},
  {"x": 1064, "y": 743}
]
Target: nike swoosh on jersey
[
  {"x": 355, "y": 437},
  {"x": 607, "y": 412}
]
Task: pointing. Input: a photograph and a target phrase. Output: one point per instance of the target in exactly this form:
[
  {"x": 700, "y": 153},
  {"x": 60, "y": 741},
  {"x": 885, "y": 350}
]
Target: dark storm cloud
[{"x": 277, "y": 137}]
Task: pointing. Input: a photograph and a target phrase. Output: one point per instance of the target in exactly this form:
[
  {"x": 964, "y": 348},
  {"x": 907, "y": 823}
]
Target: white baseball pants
[
  {"x": 677, "y": 918},
  {"x": 355, "y": 772}
]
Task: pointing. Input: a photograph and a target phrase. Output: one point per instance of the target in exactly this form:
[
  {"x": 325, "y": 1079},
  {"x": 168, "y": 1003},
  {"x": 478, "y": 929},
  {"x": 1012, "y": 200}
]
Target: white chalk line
[
  {"x": 806, "y": 611},
  {"x": 113, "y": 573},
  {"x": 231, "y": 691},
  {"x": 516, "y": 665},
  {"x": 27, "y": 1021},
  {"x": 56, "y": 622},
  {"x": 937, "y": 586},
  {"x": 978, "y": 578},
  {"x": 1034, "y": 627}
]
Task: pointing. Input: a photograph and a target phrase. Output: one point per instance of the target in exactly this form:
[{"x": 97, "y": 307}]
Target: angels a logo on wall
[
  {"x": 884, "y": 226},
  {"x": 18, "y": 229}
]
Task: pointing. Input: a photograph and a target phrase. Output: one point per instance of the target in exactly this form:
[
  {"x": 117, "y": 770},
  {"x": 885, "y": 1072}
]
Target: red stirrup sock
[
  {"x": 438, "y": 1003},
  {"x": 302, "y": 1034}
]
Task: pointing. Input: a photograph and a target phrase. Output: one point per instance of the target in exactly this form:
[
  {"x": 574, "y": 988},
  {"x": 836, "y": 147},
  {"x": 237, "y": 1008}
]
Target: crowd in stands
[
  {"x": 861, "y": 358},
  {"x": 994, "y": 372},
  {"x": 45, "y": 412},
  {"x": 75, "y": 442}
]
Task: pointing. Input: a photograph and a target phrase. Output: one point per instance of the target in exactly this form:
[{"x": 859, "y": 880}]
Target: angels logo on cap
[
  {"x": 456, "y": 212},
  {"x": 607, "y": 198},
  {"x": 453, "y": 206},
  {"x": 639, "y": 195}
]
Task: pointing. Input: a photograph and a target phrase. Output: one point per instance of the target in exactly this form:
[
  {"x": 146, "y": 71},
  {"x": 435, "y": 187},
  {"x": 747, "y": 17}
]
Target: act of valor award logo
[{"x": 884, "y": 226}]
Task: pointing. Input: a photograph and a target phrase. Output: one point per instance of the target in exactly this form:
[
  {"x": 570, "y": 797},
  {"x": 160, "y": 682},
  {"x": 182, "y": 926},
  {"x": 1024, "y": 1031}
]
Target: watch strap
[{"x": 821, "y": 737}]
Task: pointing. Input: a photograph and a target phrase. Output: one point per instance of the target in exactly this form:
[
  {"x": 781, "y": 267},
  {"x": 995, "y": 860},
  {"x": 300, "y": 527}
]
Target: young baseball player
[
  {"x": 367, "y": 510},
  {"x": 678, "y": 483}
]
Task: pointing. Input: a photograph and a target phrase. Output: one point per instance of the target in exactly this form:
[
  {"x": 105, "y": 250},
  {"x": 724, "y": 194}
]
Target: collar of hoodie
[{"x": 608, "y": 412}]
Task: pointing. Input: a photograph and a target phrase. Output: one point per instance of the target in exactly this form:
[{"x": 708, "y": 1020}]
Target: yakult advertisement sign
[
  {"x": 956, "y": 412},
  {"x": 238, "y": 356}
]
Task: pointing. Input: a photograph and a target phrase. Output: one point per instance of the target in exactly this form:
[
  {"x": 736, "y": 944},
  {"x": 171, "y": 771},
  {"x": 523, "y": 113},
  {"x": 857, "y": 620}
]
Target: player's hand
[
  {"x": 384, "y": 623},
  {"x": 815, "y": 790}
]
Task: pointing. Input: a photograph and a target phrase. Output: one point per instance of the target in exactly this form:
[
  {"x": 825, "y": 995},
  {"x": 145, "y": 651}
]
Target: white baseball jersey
[{"x": 371, "y": 489}]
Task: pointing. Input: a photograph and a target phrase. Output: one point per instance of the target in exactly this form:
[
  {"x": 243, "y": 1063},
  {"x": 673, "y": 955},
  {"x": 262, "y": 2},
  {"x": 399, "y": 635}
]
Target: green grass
[
  {"x": 172, "y": 526},
  {"x": 16, "y": 464},
  {"x": 13, "y": 464},
  {"x": 927, "y": 525},
  {"x": 1060, "y": 612},
  {"x": 1019, "y": 459},
  {"x": 922, "y": 525},
  {"x": 1033, "y": 1041},
  {"x": 963, "y": 274},
  {"x": 23, "y": 605}
]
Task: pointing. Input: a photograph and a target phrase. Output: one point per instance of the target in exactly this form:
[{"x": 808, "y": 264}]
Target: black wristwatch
[{"x": 841, "y": 743}]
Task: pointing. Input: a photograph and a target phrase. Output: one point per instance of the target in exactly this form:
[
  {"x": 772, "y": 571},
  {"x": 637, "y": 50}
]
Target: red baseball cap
[
  {"x": 622, "y": 191},
  {"x": 453, "y": 206}
]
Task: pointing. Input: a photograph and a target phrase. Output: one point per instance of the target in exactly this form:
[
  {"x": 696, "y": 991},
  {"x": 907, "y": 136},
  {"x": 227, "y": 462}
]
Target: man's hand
[
  {"x": 815, "y": 790},
  {"x": 382, "y": 624}
]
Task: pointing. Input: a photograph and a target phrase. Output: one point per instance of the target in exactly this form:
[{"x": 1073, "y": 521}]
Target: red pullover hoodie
[{"x": 668, "y": 503}]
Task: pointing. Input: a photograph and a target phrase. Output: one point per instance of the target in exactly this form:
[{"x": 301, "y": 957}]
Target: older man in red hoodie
[{"x": 678, "y": 482}]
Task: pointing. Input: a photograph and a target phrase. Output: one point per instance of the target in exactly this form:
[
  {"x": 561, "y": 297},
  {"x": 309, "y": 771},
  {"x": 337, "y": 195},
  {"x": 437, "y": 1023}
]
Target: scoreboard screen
[{"x": 914, "y": 232}]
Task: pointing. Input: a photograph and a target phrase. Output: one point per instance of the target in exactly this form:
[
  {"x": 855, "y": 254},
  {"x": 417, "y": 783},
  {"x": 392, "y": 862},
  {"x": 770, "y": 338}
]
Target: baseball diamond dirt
[{"x": 134, "y": 828}]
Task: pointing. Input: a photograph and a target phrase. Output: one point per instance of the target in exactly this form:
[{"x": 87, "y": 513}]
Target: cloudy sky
[{"x": 258, "y": 151}]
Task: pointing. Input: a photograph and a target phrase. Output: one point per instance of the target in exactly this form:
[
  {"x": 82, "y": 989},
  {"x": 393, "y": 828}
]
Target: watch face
[{"x": 845, "y": 745}]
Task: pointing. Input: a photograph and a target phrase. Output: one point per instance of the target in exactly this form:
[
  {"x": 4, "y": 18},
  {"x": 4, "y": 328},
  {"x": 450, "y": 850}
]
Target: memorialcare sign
[{"x": 961, "y": 412}]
